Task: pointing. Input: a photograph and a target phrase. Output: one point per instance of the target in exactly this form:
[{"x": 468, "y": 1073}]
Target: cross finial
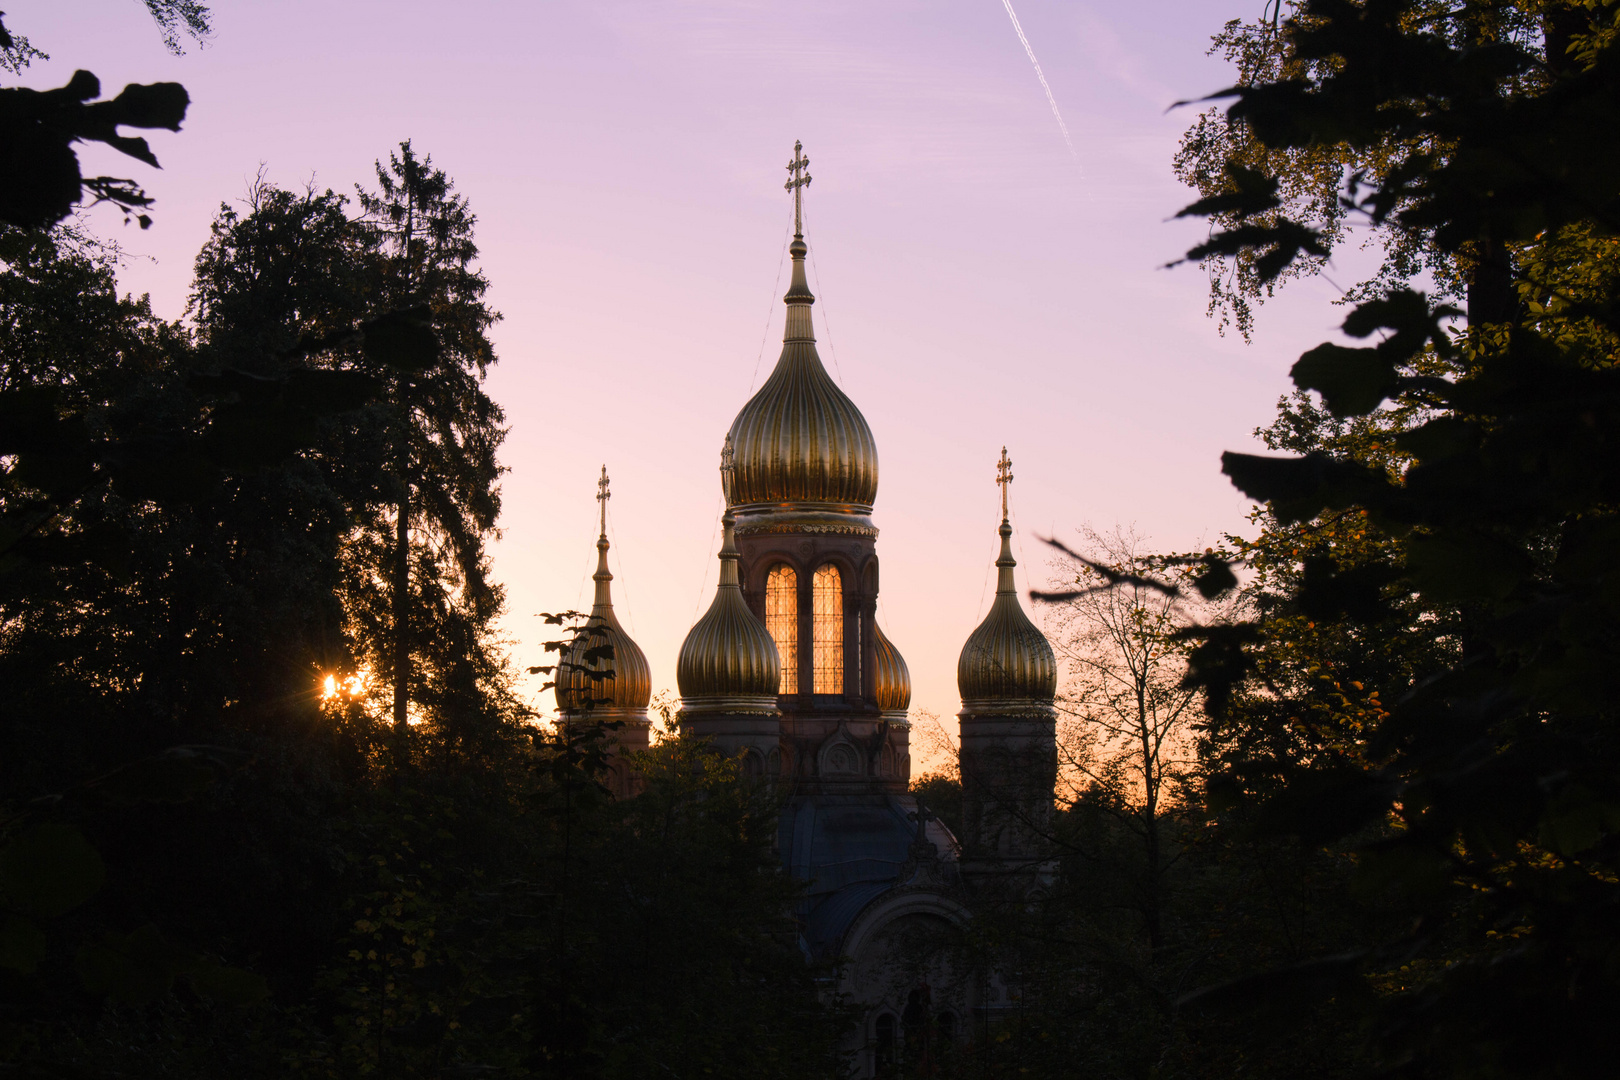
[
  {"x": 727, "y": 455},
  {"x": 602, "y": 496},
  {"x": 1004, "y": 478},
  {"x": 797, "y": 183},
  {"x": 922, "y": 816}
]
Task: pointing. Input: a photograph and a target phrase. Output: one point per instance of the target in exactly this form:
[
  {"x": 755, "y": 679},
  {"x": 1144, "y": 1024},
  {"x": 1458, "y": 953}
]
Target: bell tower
[{"x": 1007, "y": 676}]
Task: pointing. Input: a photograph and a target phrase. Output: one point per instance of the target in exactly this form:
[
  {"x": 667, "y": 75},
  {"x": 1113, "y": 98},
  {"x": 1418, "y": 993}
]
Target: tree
[
  {"x": 446, "y": 432},
  {"x": 1483, "y": 799},
  {"x": 1220, "y": 156},
  {"x": 1127, "y": 743},
  {"x": 294, "y": 267}
]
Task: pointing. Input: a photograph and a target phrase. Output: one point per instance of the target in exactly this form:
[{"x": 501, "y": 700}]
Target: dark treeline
[{"x": 1340, "y": 797}]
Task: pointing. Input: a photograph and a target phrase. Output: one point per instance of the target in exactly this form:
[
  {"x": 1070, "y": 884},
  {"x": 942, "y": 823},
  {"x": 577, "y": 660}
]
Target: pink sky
[{"x": 977, "y": 286}]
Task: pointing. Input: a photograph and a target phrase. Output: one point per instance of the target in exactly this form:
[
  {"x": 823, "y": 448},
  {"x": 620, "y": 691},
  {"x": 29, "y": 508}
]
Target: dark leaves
[
  {"x": 140, "y": 967},
  {"x": 49, "y": 869},
  {"x": 402, "y": 339},
  {"x": 40, "y": 179},
  {"x": 1275, "y": 245},
  {"x": 1298, "y": 489},
  {"x": 1252, "y": 192},
  {"x": 1351, "y": 381},
  {"x": 1283, "y": 988},
  {"x": 176, "y": 775}
]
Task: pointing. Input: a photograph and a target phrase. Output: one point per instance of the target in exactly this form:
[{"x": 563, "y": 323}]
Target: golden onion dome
[
  {"x": 1007, "y": 662},
  {"x": 728, "y": 662},
  {"x": 800, "y": 443},
  {"x": 892, "y": 678},
  {"x": 602, "y": 646}
]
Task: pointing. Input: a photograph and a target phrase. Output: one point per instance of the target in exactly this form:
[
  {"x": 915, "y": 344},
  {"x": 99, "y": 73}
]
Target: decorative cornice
[
  {"x": 730, "y": 705},
  {"x": 764, "y": 528},
  {"x": 1008, "y": 709},
  {"x": 605, "y": 714}
]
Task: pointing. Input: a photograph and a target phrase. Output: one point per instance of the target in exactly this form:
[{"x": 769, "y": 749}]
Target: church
[{"x": 789, "y": 672}]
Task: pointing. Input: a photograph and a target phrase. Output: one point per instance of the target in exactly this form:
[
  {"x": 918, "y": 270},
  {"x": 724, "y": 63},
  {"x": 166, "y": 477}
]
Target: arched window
[
  {"x": 829, "y": 630},
  {"x": 782, "y": 620}
]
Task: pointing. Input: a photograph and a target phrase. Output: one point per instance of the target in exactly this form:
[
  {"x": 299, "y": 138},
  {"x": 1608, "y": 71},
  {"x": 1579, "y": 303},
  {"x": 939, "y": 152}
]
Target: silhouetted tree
[{"x": 445, "y": 434}]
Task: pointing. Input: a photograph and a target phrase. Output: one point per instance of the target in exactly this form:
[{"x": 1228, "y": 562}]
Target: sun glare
[{"x": 332, "y": 686}]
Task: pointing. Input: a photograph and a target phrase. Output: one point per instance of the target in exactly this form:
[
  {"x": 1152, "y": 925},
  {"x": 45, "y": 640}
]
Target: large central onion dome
[
  {"x": 1007, "y": 663},
  {"x": 728, "y": 662},
  {"x": 800, "y": 443},
  {"x": 603, "y": 673}
]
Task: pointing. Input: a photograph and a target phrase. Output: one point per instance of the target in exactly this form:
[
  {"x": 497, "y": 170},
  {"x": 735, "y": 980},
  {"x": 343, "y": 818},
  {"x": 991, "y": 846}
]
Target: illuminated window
[
  {"x": 782, "y": 620},
  {"x": 829, "y": 630}
]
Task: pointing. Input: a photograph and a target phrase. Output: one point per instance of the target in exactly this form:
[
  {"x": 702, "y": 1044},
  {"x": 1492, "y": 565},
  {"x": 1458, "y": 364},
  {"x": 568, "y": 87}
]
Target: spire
[
  {"x": 630, "y": 687},
  {"x": 603, "y": 603},
  {"x": 799, "y": 297},
  {"x": 1006, "y": 562},
  {"x": 1007, "y": 662}
]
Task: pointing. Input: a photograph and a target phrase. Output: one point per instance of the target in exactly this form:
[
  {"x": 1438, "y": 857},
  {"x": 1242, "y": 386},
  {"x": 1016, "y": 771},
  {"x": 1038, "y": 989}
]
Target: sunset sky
[{"x": 977, "y": 285}]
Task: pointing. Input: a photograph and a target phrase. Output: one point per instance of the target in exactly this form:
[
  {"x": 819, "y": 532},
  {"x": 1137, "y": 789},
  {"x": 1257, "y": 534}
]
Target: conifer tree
[{"x": 445, "y": 432}]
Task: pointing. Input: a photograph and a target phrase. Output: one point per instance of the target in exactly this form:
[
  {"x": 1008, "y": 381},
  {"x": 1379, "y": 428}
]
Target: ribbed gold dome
[
  {"x": 892, "y": 677},
  {"x": 800, "y": 443},
  {"x": 728, "y": 662},
  {"x": 630, "y": 688},
  {"x": 1006, "y": 661}
]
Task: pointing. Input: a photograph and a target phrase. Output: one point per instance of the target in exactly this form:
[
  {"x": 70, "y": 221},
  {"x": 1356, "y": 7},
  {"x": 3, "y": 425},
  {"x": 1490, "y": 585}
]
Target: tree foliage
[{"x": 1473, "y": 774}]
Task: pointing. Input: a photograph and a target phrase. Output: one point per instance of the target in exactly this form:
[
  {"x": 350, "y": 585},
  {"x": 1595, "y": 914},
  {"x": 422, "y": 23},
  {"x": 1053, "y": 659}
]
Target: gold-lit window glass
[
  {"x": 829, "y": 630},
  {"x": 782, "y": 620}
]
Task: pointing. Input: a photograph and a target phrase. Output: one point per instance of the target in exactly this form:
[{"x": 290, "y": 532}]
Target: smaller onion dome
[
  {"x": 580, "y": 690},
  {"x": 892, "y": 678},
  {"x": 728, "y": 662},
  {"x": 1007, "y": 662}
]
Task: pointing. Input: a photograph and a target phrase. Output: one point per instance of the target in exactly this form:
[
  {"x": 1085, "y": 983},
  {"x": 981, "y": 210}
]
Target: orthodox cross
[
  {"x": 727, "y": 455},
  {"x": 602, "y": 496},
  {"x": 1004, "y": 478},
  {"x": 797, "y": 184}
]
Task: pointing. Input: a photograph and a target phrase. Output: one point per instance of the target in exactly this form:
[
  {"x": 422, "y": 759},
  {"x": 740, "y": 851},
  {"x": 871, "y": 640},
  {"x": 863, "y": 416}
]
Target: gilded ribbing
[
  {"x": 890, "y": 674},
  {"x": 800, "y": 439},
  {"x": 728, "y": 653}
]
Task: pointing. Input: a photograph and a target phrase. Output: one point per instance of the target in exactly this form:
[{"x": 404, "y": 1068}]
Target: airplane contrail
[{"x": 1050, "y": 100}]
